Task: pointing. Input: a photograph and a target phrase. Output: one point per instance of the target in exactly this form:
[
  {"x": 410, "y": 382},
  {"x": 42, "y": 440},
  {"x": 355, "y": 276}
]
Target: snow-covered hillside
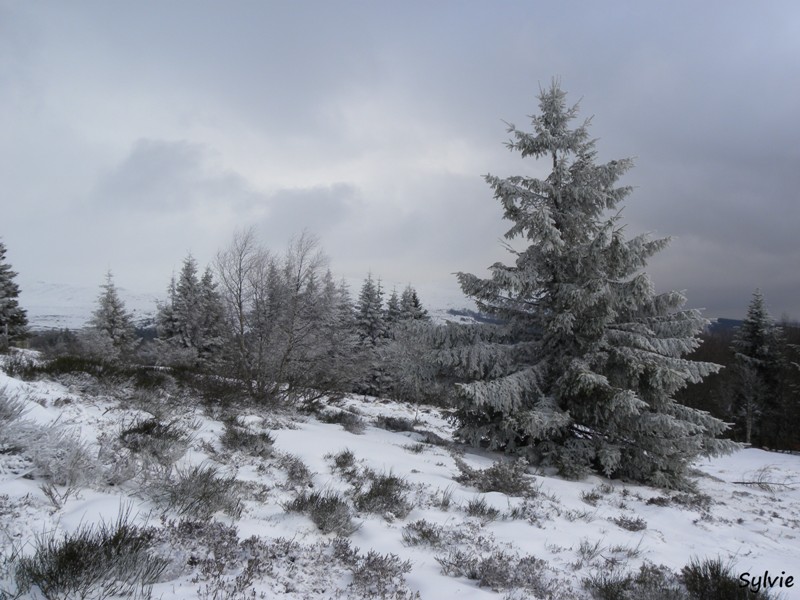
[
  {"x": 428, "y": 530},
  {"x": 60, "y": 306}
]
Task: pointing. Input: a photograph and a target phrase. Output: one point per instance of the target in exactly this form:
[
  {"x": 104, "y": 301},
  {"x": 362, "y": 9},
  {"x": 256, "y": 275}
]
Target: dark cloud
[{"x": 168, "y": 125}]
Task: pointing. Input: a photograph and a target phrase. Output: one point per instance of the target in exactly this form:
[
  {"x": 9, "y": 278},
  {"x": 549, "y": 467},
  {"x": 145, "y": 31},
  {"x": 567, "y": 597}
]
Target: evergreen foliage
[
  {"x": 112, "y": 334},
  {"x": 583, "y": 372},
  {"x": 758, "y": 364},
  {"x": 13, "y": 318},
  {"x": 191, "y": 322},
  {"x": 410, "y": 305}
]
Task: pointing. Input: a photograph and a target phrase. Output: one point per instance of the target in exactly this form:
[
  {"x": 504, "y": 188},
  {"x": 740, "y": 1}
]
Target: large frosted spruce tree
[{"x": 583, "y": 373}]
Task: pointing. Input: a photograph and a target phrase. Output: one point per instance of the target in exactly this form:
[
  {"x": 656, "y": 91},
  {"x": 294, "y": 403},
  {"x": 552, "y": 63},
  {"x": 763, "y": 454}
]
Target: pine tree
[
  {"x": 212, "y": 319},
  {"x": 393, "y": 310},
  {"x": 112, "y": 331},
  {"x": 758, "y": 352},
  {"x": 410, "y": 306},
  {"x": 13, "y": 318},
  {"x": 582, "y": 375},
  {"x": 373, "y": 332},
  {"x": 191, "y": 322},
  {"x": 370, "y": 318}
]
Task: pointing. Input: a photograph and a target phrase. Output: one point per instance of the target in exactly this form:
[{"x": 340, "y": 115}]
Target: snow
[{"x": 757, "y": 529}]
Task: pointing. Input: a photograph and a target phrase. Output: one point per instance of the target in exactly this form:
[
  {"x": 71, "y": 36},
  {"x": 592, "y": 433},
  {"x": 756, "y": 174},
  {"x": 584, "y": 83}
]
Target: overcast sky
[{"x": 132, "y": 133}]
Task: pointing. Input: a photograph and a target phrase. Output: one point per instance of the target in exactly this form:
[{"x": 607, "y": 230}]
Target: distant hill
[{"x": 64, "y": 306}]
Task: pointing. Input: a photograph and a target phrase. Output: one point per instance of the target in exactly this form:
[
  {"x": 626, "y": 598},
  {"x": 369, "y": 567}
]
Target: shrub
[
  {"x": 392, "y": 423},
  {"x": 650, "y": 583},
  {"x": 297, "y": 472},
  {"x": 20, "y": 366},
  {"x": 11, "y": 407},
  {"x": 96, "y": 562},
  {"x": 711, "y": 579},
  {"x": 349, "y": 421},
  {"x": 374, "y": 575},
  {"x": 329, "y": 512},
  {"x": 498, "y": 570},
  {"x": 197, "y": 492},
  {"x": 55, "y": 451},
  {"x": 421, "y": 533},
  {"x": 379, "y": 575},
  {"x": 163, "y": 443},
  {"x": 505, "y": 477},
  {"x": 385, "y": 495},
  {"x": 477, "y": 507},
  {"x": 630, "y": 523},
  {"x": 239, "y": 438}
]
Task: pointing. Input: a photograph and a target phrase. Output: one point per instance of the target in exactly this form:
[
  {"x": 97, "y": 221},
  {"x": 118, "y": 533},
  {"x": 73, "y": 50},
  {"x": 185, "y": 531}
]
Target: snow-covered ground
[{"x": 579, "y": 529}]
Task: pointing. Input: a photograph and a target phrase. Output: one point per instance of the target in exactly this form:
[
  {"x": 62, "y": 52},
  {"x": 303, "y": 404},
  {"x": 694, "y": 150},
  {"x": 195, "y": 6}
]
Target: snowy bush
[
  {"x": 506, "y": 477},
  {"x": 711, "y": 579},
  {"x": 477, "y": 507},
  {"x": 297, "y": 473},
  {"x": 499, "y": 570},
  {"x": 11, "y": 407},
  {"x": 196, "y": 492},
  {"x": 350, "y": 421},
  {"x": 155, "y": 441},
  {"x": 383, "y": 494},
  {"x": 374, "y": 575},
  {"x": 239, "y": 438},
  {"x": 392, "y": 423},
  {"x": 329, "y": 512},
  {"x": 54, "y": 452},
  {"x": 651, "y": 582},
  {"x": 630, "y": 523},
  {"x": 94, "y": 562},
  {"x": 422, "y": 533}
]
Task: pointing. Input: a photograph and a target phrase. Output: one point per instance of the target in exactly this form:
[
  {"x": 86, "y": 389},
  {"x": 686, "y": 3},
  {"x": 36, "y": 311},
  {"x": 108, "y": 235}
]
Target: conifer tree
[
  {"x": 393, "y": 310},
  {"x": 410, "y": 305},
  {"x": 13, "y": 318},
  {"x": 191, "y": 322},
  {"x": 112, "y": 331},
  {"x": 370, "y": 318},
  {"x": 582, "y": 375},
  {"x": 758, "y": 351}
]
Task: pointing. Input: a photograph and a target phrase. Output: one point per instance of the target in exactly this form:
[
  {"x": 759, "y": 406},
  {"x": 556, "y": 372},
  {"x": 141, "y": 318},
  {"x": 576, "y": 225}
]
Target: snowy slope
[
  {"x": 59, "y": 306},
  {"x": 579, "y": 529}
]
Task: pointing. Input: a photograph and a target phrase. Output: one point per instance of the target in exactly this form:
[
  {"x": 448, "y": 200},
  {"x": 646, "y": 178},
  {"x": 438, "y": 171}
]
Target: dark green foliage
[{"x": 97, "y": 562}]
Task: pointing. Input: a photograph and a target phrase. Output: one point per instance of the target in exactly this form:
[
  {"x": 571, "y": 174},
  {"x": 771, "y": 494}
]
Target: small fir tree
[
  {"x": 758, "y": 368},
  {"x": 112, "y": 333},
  {"x": 582, "y": 375},
  {"x": 393, "y": 310},
  {"x": 13, "y": 318},
  {"x": 410, "y": 305}
]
